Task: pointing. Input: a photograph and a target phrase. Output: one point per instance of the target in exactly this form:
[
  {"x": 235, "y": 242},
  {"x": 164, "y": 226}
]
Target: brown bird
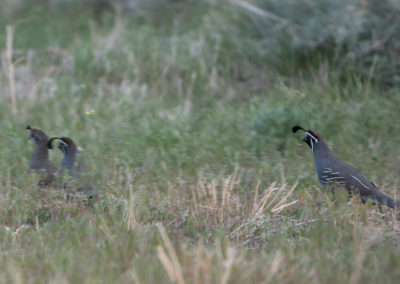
[
  {"x": 40, "y": 157},
  {"x": 71, "y": 163}
]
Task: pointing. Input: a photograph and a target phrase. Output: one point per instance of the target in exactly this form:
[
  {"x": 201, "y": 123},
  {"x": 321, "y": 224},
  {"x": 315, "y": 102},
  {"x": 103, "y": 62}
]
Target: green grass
[{"x": 190, "y": 142}]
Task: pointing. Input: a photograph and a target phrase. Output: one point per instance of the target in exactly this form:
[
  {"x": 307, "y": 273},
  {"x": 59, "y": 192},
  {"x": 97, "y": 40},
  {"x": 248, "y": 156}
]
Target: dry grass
[{"x": 189, "y": 144}]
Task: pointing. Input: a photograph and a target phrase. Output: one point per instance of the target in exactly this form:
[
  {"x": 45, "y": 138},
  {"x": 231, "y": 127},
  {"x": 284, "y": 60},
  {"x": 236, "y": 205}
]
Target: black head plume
[
  {"x": 49, "y": 145},
  {"x": 297, "y": 128},
  {"x": 28, "y": 127}
]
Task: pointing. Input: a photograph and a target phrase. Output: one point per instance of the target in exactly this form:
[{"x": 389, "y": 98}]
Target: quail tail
[{"x": 382, "y": 198}]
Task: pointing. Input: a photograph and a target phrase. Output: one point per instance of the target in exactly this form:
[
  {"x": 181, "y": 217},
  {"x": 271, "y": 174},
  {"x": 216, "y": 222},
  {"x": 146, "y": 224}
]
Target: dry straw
[{"x": 169, "y": 258}]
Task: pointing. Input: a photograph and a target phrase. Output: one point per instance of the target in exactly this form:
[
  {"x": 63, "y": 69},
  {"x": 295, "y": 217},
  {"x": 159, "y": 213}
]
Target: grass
[{"x": 190, "y": 142}]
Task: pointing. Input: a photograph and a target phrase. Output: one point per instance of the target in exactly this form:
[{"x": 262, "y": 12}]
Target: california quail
[
  {"x": 40, "y": 157},
  {"x": 68, "y": 147},
  {"x": 69, "y": 163},
  {"x": 332, "y": 171}
]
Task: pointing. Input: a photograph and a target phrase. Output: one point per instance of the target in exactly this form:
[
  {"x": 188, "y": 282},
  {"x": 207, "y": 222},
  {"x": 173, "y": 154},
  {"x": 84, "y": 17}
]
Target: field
[{"x": 183, "y": 112}]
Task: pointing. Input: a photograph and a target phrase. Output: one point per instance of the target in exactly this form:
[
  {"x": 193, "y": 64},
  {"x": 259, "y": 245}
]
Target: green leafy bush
[{"x": 357, "y": 36}]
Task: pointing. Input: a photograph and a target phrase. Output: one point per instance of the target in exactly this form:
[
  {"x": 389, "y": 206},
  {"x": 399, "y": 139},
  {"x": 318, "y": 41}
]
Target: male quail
[
  {"x": 40, "y": 157},
  {"x": 68, "y": 147},
  {"x": 332, "y": 171},
  {"x": 74, "y": 168}
]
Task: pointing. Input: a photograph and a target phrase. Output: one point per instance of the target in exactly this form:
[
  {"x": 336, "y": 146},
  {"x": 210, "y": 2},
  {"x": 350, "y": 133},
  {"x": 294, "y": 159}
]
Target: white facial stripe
[
  {"x": 64, "y": 143},
  {"x": 312, "y": 140},
  {"x": 312, "y": 136}
]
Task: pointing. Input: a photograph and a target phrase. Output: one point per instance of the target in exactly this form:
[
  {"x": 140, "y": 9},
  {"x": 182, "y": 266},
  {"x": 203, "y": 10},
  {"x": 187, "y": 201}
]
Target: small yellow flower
[{"x": 90, "y": 112}]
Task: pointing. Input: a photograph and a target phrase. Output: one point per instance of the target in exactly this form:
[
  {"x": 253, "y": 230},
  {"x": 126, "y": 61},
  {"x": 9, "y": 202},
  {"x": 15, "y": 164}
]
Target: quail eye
[{"x": 34, "y": 137}]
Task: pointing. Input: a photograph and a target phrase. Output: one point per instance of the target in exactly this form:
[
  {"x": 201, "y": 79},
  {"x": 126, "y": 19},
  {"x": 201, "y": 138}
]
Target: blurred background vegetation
[{"x": 183, "y": 111}]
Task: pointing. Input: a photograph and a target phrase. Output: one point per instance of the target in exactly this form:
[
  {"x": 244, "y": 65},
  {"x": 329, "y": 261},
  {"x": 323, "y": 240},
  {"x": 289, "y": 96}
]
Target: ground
[{"x": 183, "y": 115}]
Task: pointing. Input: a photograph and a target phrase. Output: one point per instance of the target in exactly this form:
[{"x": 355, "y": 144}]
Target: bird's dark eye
[{"x": 34, "y": 137}]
